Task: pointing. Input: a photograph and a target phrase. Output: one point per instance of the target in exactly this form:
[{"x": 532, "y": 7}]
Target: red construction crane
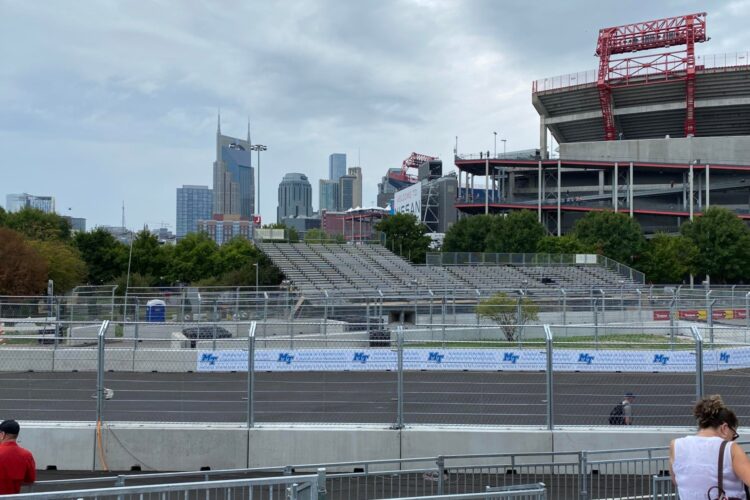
[
  {"x": 652, "y": 68},
  {"x": 414, "y": 160}
]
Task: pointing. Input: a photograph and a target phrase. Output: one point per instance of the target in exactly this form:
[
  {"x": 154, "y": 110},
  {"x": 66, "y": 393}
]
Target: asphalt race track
[{"x": 472, "y": 398}]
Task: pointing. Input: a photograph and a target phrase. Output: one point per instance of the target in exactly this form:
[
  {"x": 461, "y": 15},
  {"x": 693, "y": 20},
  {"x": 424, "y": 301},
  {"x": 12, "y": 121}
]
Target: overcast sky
[{"x": 108, "y": 101}]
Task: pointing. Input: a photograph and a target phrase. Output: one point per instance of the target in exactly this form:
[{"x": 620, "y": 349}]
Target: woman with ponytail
[{"x": 710, "y": 465}]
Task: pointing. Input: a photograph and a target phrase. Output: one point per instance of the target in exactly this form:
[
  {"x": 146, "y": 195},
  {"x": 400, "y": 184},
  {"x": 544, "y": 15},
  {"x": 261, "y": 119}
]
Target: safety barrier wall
[{"x": 187, "y": 447}]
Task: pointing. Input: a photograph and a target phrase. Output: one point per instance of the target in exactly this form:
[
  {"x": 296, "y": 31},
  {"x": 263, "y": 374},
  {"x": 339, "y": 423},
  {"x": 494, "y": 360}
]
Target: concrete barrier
[{"x": 70, "y": 446}]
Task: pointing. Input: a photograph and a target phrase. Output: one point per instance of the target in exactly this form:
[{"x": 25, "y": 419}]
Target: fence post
[
  {"x": 710, "y": 318},
  {"x": 596, "y": 322},
  {"x": 671, "y": 322},
  {"x": 583, "y": 476},
  {"x": 251, "y": 375},
  {"x": 443, "y": 319},
  {"x": 291, "y": 492},
  {"x": 99, "y": 384},
  {"x": 368, "y": 315},
  {"x": 440, "y": 462},
  {"x": 322, "y": 484},
  {"x": 698, "y": 362},
  {"x": 550, "y": 367},
  {"x": 400, "y": 378},
  {"x": 747, "y": 314}
]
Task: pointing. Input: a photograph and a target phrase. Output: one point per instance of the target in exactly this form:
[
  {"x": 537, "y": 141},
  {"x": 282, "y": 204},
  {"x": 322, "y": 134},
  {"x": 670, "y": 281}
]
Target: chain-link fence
[{"x": 327, "y": 372}]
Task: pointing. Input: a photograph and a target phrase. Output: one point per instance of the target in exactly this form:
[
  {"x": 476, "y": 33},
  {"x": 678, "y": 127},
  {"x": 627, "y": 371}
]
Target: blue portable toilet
[{"x": 156, "y": 311}]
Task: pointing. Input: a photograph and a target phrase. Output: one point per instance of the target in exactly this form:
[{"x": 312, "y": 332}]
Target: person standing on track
[
  {"x": 622, "y": 413},
  {"x": 710, "y": 464},
  {"x": 17, "y": 465}
]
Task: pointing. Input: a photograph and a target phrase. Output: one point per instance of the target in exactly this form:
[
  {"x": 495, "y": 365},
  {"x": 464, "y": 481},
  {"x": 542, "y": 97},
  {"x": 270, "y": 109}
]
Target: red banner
[{"x": 661, "y": 315}]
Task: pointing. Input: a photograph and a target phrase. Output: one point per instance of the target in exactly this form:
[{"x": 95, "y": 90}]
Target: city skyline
[{"x": 133, "y": 122}]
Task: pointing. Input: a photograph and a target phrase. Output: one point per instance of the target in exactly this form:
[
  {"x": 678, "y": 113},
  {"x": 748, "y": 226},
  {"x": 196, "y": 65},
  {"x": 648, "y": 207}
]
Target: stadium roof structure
[{"x": 661, "y": 91}]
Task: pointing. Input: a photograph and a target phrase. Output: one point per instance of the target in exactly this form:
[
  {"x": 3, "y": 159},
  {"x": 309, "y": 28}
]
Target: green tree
[
  {"x": 22, "y": 270},
  {"x": 37, "y": 225},
  {"x": 194, "y": 258},
  {"x": 64, "y": 264},
  {"x": 668, "y": 259},
  {"x": 406, "y": 236},
  {"x": 723, "y": 242},
  {"x": 508, "y": 312},
  {"x": 105, "y": 257},
  {"x": 614, "y": 235},
  {"x": 568, "y": 244},
  {"x": 149, "y": 259},
  {"x": 518, "y": 232},
  {"x": 235, "y": 254},
  {"x": 468, "y": 234}
]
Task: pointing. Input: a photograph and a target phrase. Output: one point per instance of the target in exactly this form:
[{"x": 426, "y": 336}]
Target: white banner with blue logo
[{"x": 564, "y": 360}]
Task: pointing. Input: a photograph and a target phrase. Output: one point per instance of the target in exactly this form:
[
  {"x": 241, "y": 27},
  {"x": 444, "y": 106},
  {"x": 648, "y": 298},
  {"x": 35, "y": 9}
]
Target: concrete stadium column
[
  {"x": 559, "y": 187},
  {"x": 459, "y": 184},
  {"x": 543, "y": 139},
  {"x": 708, "y": 186},
  {"x": 700, "y": 193},
  {"x": 511, "y": 185},
  {"x": 540, "y": 191},
  {"x": 601, "y": 182},
  {"x": 631, "y": 184},
  {"x": 615, "y": 188}
]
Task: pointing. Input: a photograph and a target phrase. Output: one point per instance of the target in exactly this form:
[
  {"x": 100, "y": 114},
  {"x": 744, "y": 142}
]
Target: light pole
[
  {"x": 504, "y": 141},
  {"x": 258, "y": 148},
  {"x": 495, "y": 143}
]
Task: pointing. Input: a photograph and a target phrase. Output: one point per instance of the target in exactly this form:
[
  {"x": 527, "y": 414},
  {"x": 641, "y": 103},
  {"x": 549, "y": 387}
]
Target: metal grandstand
[{"x": 312, "y": 268}]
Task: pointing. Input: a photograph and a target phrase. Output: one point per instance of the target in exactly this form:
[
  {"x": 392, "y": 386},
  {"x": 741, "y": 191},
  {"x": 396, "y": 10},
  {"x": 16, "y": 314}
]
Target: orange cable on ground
[{"x": 100, "y": 444}]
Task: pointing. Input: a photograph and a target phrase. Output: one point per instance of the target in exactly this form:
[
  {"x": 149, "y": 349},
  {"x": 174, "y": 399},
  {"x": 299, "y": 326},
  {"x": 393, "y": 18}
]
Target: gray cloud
[{"x": 118, "y": 101}]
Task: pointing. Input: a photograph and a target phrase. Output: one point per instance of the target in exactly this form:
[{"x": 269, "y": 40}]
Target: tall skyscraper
[
  {"x": 336, "y": 166},
  {"x": 356, "y": 172},
  {"x": 17, "y": 202},
  {"x": 346, "y": 192},
  {"x": 194, "y": 203},
  {"x": 328, "y": 195},
  {"x": 295, "y": 197},
  {"x": 234, "y": 178}
]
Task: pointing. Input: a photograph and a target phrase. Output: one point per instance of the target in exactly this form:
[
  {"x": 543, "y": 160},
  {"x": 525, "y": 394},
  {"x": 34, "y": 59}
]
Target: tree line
[
  {"x": 716, "y": 244},
  {"x": 36, "y": 247}
]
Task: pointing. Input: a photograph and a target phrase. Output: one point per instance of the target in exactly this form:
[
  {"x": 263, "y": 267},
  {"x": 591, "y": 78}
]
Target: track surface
[{"x": 489, "y": 398}]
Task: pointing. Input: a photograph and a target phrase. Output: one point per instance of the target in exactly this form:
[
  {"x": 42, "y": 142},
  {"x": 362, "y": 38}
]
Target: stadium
[
  {"x": 660, "y": 136},
  {"x": 366, "y": 376}
]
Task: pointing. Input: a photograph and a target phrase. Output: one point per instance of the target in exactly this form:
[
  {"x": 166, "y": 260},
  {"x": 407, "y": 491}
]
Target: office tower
[
  {"x": 328, "y": 195},
  {"x": 336, "y": 166},
  {"x": 17, "y": 202},
  {"x": 356, "y": 172},
  {"x": 234, "y": 179},
  {"x": 295, "y": 197},
  {"x": 194, "y": 203},
  {"x": 346, "y": 192}
]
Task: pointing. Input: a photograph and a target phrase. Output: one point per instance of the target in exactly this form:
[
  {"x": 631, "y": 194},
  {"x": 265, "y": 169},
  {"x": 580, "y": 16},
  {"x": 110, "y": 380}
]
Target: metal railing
[
  {"x": 715, "y": 62},
  {"x": 583, "y": 475},
  {"x": 285, "y": 487}
]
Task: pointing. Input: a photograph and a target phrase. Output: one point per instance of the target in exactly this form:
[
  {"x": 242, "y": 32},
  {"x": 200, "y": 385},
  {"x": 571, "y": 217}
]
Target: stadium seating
[{"x": 315, "y": 267}]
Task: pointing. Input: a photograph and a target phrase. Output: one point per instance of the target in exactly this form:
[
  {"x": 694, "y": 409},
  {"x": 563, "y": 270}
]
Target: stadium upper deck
[{"x": 569, "y": 105}]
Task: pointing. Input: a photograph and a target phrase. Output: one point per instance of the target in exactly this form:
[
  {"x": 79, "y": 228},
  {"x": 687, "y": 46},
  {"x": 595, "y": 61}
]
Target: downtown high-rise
[
  {"x": 194, "y": 203},
  {"x": 336, "y": 166},
  {"x": 234, "y": 179}
]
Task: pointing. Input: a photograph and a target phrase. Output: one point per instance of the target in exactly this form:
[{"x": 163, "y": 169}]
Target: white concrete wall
[
  {"x": 70, "y": 446},
  {"x": 733, "y": 150}
]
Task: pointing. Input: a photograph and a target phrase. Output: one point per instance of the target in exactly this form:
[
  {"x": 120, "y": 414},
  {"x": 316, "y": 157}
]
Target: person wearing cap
[
  {"x": 622, "y": 413},
  {"x": 17, "y": 465},
  {"x": 627, "y": 408}
]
